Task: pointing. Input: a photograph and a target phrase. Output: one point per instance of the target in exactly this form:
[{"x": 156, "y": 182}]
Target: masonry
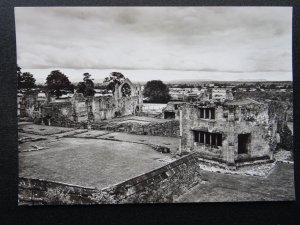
[
  {"x": 79, "y": 109},
  {"x": 231, "y": 133},
  {"x": 171, "y": 111},
  {"x": 161, "y": 185},
  {"x": 168, "y": 128}
]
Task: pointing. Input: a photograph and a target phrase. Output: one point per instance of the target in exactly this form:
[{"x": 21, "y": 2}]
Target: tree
[
  {"x": 157, "y": 91},
  {"x": 57, "y": 82},
  {"x": 25, "y": 80},
  {"x": 113, "y": 79},
  {"x": 286, "y": 137},
  {"x": 87, "y": 86}
]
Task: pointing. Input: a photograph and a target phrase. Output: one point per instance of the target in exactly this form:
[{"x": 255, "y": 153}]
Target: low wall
[
  {"x": 43, "y": 192},
  {"x": 161, "y": 185},
  {"x": 153, "y": 108},
  {"x": 167, "y": 128}
]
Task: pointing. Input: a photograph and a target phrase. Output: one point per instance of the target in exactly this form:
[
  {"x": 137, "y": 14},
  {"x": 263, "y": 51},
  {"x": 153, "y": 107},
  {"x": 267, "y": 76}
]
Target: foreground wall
[{"x": 161, "y": 185}]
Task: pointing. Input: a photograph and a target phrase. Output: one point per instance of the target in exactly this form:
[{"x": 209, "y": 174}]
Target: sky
[{"x": 146, "y": 43}]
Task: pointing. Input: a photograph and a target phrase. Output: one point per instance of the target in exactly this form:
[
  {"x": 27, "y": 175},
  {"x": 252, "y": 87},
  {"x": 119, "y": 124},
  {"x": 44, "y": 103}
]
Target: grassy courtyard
[{"x": 89, "y": 162}]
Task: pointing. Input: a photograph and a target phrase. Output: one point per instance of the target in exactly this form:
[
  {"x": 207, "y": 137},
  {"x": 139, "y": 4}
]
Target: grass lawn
[
  {"x": 89, "y": 162},
  {"x": 278, "y": 186}
]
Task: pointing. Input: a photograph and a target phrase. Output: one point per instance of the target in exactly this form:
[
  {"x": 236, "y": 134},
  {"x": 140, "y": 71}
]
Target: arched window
[{"x": 126, "y": 90}]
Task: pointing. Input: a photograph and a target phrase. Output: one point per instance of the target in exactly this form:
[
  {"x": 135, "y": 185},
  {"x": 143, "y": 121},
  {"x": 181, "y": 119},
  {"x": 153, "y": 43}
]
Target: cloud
[{"x": 236, "y": 39}]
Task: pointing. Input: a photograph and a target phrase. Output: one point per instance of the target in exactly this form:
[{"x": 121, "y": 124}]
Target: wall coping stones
[{"x": 153, "y": 173}]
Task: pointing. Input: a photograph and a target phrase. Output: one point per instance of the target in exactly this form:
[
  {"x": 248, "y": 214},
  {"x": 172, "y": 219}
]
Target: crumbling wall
[
  {"x": 160, "y": 185},
  {"x": 166, "y": 128},
  {"x": 104, "y": 108},
  {"x": 92, "y": 109},
  {"x": 79, "y": 107},
  {"x": 43, "y": 192},
  {"x": 29, "y": 106},
  {"x": 58, "y": 114},
  {"x": 127, "y": 105}
]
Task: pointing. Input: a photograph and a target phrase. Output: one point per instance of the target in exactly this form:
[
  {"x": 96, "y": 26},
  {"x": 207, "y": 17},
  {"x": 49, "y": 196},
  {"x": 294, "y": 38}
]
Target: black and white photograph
[{"x": 122, "y": 105}]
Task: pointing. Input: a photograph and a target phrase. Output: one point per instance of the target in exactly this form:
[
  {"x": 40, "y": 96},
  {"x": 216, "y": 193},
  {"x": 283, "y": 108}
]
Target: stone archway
[{"x": 126, "y": 90}]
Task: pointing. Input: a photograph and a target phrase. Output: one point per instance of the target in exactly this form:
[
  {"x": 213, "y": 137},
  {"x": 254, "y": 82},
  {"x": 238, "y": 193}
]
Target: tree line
[{"x": 57, "y": 83}]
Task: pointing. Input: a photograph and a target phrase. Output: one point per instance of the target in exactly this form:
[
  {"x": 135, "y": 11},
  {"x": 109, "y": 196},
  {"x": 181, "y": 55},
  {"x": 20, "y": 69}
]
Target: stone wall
[
  {"x": 57, "y": 114},
  {"x": 43, "y": 192},
  {"x": 280, "y": 103},
  {"x": 153, "y": 108},
  {"x": 167, "y": 128},
  {"x": 92, "y": 109},
  {"x": 161, "y": 185},
  {"x": 29, "y": 105}
]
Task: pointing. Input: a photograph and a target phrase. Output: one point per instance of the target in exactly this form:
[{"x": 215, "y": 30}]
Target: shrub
[
  {"x": 286, "y": 138},
  {"x": 57, "y": 196}
]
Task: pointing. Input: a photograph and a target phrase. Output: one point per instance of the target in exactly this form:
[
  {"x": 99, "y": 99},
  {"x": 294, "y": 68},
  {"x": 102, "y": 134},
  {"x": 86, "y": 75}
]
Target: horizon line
[{"x": 189, "y": 70}]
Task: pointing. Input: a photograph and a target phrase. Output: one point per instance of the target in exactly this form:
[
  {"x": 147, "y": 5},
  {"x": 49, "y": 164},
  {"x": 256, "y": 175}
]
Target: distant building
[
  {"x": 204, "y": 95},
  {"x": 221, "y": 94}
]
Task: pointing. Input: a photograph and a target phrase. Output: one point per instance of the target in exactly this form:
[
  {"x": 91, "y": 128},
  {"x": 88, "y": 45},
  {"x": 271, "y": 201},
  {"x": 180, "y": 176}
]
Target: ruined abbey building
[
  {"x": 231, "y": 133},
  {"x": 126, "y": 99}
]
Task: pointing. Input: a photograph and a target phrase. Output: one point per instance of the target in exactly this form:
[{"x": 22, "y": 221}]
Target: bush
[
  {"x": 100, "y": 197},
  {"x": 286, "y": 138},
  {"x": 57, "y": 196}
]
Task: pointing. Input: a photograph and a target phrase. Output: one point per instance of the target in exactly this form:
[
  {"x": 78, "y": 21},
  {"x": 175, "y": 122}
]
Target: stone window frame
[
  {"x": 208, "y": 138},
  {"x": 207, "y": 113}
]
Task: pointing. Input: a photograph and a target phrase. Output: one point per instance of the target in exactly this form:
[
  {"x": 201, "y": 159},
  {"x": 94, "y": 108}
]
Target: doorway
[
  {"x": 244, "y": 141},
  {"x": 169, "y": 115}
]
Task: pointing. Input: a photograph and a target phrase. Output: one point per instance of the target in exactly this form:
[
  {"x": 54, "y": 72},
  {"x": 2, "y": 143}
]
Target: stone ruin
[
  {"x": 232, "y": 134},
  {"x": 79, "y": 109},
  {"x": 171, "y": 111}
]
